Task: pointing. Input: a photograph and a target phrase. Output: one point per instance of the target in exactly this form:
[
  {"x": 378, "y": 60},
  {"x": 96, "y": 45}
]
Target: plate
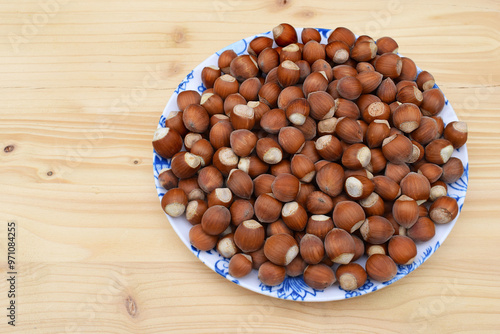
[{"x": 294, "y": 288}]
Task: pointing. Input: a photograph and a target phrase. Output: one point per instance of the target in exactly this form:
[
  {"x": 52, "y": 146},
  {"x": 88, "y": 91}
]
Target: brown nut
[
  {"x": 407, "y": 117},
  {"x": 456, "y": 133},
  {"x": 423, "y": 230},
  {"x": 389, "y": 64},
  {"x": 209, "y": 74},
  {"x": 167, "y": 179},
  {"x": 167, "y": 142},
  {"x": 273, "y": 120},
  {"x": 240, "y": 183},
  {"x": 349, "y": 130},
  {"x": 452, "y": 170},
  {"x": 281, "y": 249},
  {"x": 397, "y": 149},
  {"x": 225, "y": 160},
  {"x": 294, "y": 216},
  {"x": 291, "y": 139},
  {"x": 405, "y": 211},
  {"x": 356, "y": 156},
  {"x": 187, "y": 97},
  {"x": 201, "y": 240},
  {"x": 243, "y": 142},
  {"x": 271, "y": 274},
  {"x": 416, "y": 186},
  {"x": 285, "y": 187},
  {"x": 330, "y": 179},
  {"x": 303, "y": 168},
  {"x": 339, "y": 246},
  {"x": 425, "y": 81},
  {"x": 284, "y": 34},
  {"x": 240, "y": 265},
  {"x": 386, "y": 187},
  {"x": 253, "y": 166},
  {"x": 381, "y": 268},
  {"x": 351, "y": 276},
  {"x": 433, "y": 102},
  {"x": 215, "y": 220},
  {"x": 249, "y": 236},
  {"x": 185, "y": 165},
  {"x": 348, "y": 215},
  {"x": 438, "y": 151},
  {"x": 226, "y": 85},
  {"x": 402, "y": 250},
  {"x": 376, "y": 230},
  {"x": 244, "y": 67},
  {"x": 174, "y": 202},
  {"x": 220, "y": 196},
  {"x": 267, "y": 208},
  {"x": 373, "y": 205},
  {"x": 319, "y": 276},
  {"x": 443, "y": 210}
]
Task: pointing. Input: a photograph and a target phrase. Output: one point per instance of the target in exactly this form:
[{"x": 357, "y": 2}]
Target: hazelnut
[
  {"x": 315, "y": 82},
  {"x": 456, "y": 133},
  {"x": 342, "y": 34},
  {"x": 294, "y": 216},
  {"x": 241, "y": 210},
  {"x": 322, "y": 105},
  {"x": 297, "y": 111},
  {"x": 191, "y": 188},
  {"x": 296, "y": 267},
  {"x": 389, "y": 64},
  {"x": 273, "y": 120},
  {"x": 267, "y": 208},
  {"x": 291, "y": 139},
  {"x": 443, "y": 210},
  {"x": 397, "y": 149},
  {"x": 373, "y": 205},
  {"x": 349, "y": 130},
  {"x": 226, "y": 246},
  {"x": 220, "y": 134},
  {"x": 351, "y": 276},
  {"x": 288, "y": 73},
  {"x": 290, "y": 52},
  {"x": 243, "y": 142},
  {"x": 225, "y": 60},
  {"x": 330, "y": 179},
  {"x": 185, "y": 165},
  {"x": 402, "y": 250},
  {"x": 387, "y": 188},
  {"x": 209, "y": 74},
  {"x": 356, "y": 156},
  {"x": 387, "y": 91},
  {"x": 329, "y": 147},
  {"x": 271, "y": 274},
  {"x": 376, "y": 230},
  {"x": 319, "y": 276},
  {"x": 313, "y": 51},
  {"x": 319, "y": 203},
  {"x": 407, "y": 117},
  {"x": 244, "y": 67},
  {"x": 319, "y": 225},
  {"x": 369, "y": 80},
  {"x": 433, "y": 102},
  {"x": 339, "y": 246},
  {"x": 167, "y": 179},
  {"x": 263, "y": 184},
  {"x": 249, "y": 89},
  {"x": 396, "y": 172},
  {"x": 289, "y": 94},
  {"x": 240, "y": 183},
  {"x": 438, "y": 151},
  {"x": 253, "y": 166},
  {"x": 249, "y": 236},
  {"x": 167, "y": 142},
  {"x": 187, "y": 97},
  {"x": 423, "y": 230},
  {"x": 359, "y": 248},
  {"x": 416, "y": 186},
  {"x": 278, "y": 227},
  {"x": 303, "y": 168},
  {"x": 337, "y": 51},
  {"x": 203, "y": 149},
  {"x": 381, "y": 268},
  {"x": 240, "y": 265},
  {"x": 310, "y": 34},
  {"x": 212, "y": 103},
  {"x": 348, "y": 215},
  {"x": 405, "y": 211},
  {"x": 387, "y": 45},
  {"x": 215, "y": 220},
  {"x": 284, "y": 34},
  {"x": 210, "y": 178},
  {"x": 225, "y": 160},
  {"x": 231, "y": 101},
  {"x": 269, "y": 151},
  {"x": 220, "y": 196},
  {"x": 226, "y": 85},
  {"x": 258, "y": 44},
  {"x": 358, "y": 187},
  {"x": 174, "y": 202},
  {"x": 200, "y": 239},
  {"x": 281, "y": 249},
  {"x": 410, "y": 94},
  {"x": 364, "y": 51},
  {"x": 452, "y": 170},
  {"x": 425, "y": 81}
]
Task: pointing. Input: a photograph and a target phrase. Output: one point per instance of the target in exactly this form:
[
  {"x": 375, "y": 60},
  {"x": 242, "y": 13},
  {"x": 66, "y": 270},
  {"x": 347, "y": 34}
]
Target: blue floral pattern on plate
[{"x": 294, "y": 288}]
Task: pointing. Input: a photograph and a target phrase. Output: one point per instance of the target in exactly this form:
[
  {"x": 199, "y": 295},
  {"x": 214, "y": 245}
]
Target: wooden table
[{"x": 83, "y": 84}]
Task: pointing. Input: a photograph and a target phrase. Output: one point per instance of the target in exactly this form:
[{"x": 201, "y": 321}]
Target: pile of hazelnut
[{"x": 301, "y": 157}]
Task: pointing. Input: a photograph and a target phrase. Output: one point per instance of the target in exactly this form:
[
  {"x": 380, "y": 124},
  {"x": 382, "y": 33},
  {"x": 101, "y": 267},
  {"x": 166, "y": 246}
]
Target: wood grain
[{"x": 82, "y": 90}]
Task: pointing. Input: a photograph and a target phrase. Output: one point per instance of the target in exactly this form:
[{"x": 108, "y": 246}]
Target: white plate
[{"x": 294, "y": 288}]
